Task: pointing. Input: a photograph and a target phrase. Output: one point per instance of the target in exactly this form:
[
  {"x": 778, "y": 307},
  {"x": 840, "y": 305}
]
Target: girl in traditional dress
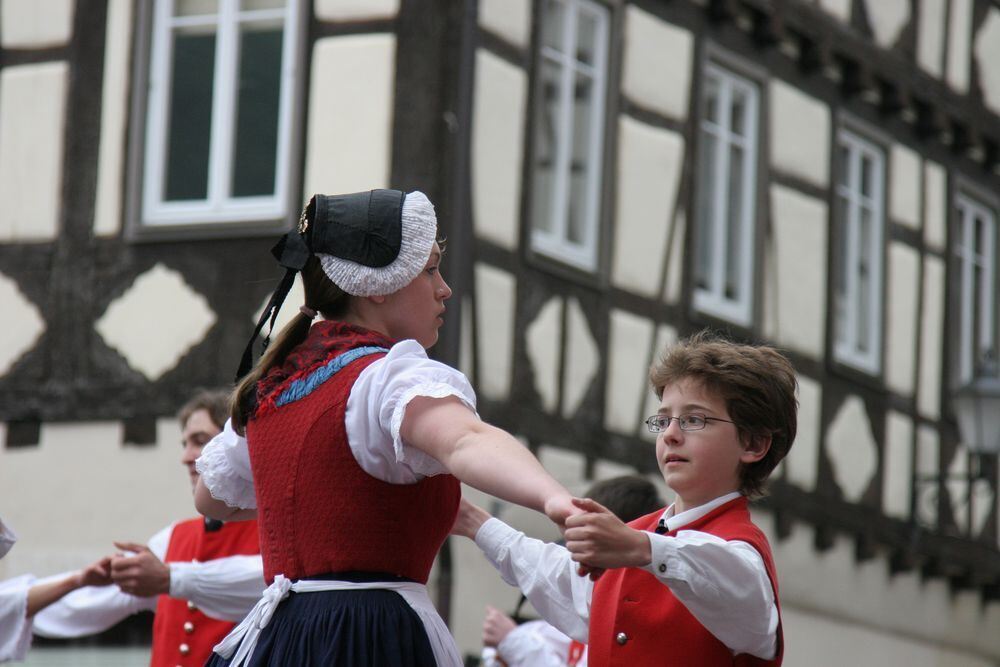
[{"x": 348, "y": 444}]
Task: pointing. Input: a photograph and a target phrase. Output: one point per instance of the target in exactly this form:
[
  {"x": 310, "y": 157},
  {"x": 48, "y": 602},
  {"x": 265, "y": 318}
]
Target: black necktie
[{"x": 661, "y": 527}]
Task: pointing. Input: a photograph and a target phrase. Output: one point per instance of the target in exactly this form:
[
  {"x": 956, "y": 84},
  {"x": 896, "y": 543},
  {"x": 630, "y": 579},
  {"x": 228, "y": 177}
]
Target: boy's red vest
[
  {"x": 318, "y": 510},
  {"x": 182, "y": 635},
  {"x": 636, "y": 620}
]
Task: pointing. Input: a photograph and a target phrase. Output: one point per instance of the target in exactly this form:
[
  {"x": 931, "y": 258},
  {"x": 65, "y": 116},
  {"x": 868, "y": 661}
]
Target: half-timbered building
[{"x": 611, "y": 175}]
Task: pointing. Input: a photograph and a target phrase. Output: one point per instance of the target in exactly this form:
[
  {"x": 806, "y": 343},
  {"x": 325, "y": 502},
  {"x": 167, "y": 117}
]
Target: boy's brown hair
[
  {"x": 757, "y": 384},
  {"x": 213, "y": 401}
]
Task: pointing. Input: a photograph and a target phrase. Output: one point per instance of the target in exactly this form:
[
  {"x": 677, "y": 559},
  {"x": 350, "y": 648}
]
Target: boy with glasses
[{"x": 693, "y": 584}]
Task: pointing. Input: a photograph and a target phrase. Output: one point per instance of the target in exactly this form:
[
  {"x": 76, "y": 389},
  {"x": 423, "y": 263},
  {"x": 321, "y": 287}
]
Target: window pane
[
  {"x": 707, "y": 189},
  {"x": 546, "y": 146},
  {"x": 586, "y": 38},
  {"x": 581, "y": 161},
  {"x": 865, "y": 286},
  {"x": 738, "y": 117},
  {"x": 258, "y": 101},
  {"x": 553, "y": 18},
  {"x": 867, "y": 175},
  {"x": 734, "y": 239},
  {"x": 190, "y": 116},
  {"x": 246, "y": 5},
  {"x": 844, "y": 267},
  {"x": 711, "y": 95},
  {"x": 196, "y": 7}
]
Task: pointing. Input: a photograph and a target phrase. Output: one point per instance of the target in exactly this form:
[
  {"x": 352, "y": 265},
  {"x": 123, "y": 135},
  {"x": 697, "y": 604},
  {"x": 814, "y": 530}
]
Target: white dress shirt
[
  {"x": 224, "y": 588},
  {"x": 724, "y": 584}
]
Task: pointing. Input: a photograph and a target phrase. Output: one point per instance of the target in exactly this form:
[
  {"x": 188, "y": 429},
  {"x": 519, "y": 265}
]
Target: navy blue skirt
[{"x": 349, "y": 628}]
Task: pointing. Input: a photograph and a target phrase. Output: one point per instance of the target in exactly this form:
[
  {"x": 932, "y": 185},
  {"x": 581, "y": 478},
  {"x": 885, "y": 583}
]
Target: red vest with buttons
[
  {"x": 182, "y": 635},
  {"x": 318, "y": 510},
  {"x": 658, "y": 629}
]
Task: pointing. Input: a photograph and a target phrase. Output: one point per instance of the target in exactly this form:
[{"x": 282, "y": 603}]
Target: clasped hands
[{"x": 598, "y": 540}]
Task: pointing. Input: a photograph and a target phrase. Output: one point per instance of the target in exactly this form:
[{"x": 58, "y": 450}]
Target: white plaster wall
[
  {"x": 852, "y": 449},
  {"x": 356, "y": 10},
  {"x": 349, "y": 146},
  {"x": 959, "y": 42},
  {"x": 656, "y": 72},
  {"x": 935, "y": 205},
  {"x": 153, "y": 340},
  {"x": 582, "y": 358},
  {"x": 496, "y": 291},
  {"x": 905, "y": 187},
  {"x": 114, "y": 118},
  {"x": 675, "y": 259},
  {"x": 987, "y": 54},
  {"x": 897, "y": 482},
  {"x": 903, "y": 611},
  {"x": 802, "y": 463},
  {"x": 629, "y": 342},
  {"x": 80, "y": 489},
  {"x": 465, "y": 352},
  {"x": 839, "y": 8},
  {"x": 34, "y": 24},
  {"x": 901, "y": 322},
  {"x": 497, "y": 146},
  {"x": 666, "y": 336},
  {"x": 799, "y": 134},
  {"x": 508, "y": 19},
  {"x": 887, "y": 18},
  {"x": 32, "y": 128},
  {"x": 930, "y": 34},
  {"x": 649, "y": 169},
  {"x": 800, "y": 238},
  {"x": 23, "y": 324},
  {"x": 931, "y": 330},
  {"x": 543, "y": 339}
]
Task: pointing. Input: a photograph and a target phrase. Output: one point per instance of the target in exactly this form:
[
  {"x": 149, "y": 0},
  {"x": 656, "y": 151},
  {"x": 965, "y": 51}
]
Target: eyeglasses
[{"x": 691, "y": 422}]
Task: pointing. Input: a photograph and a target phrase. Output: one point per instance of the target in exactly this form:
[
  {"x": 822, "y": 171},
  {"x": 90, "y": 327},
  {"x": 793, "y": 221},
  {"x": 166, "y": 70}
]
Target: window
[
  {"x": 726, "y": 201},
  {"x": 859, "y": 232},
  {"x": 219, "y": 111},
  {"x": 567, "y": 156},
  {"x": 975, "y": 250}
]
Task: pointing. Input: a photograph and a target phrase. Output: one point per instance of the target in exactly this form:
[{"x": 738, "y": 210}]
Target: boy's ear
[{"x": 756, "y": 449}]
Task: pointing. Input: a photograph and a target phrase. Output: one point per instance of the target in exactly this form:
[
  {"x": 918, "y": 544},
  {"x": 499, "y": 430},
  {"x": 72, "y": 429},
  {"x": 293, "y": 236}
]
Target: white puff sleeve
[
  {"x": 224, "y": 466},
  {"x": 378, "y": 402}
]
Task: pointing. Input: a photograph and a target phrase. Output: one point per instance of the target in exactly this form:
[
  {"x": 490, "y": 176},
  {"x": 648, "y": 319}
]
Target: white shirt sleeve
[
  {"x": 534, "y": 644},
  {"x": 378, "y": 402},
  {"x": 15, "y": 630},
  {"x": 224, "y": 466},
  {"x": 223, "y": 588},
  {"x": 93, "y": 609},
  {"x": 723, "y": 584},
  {"x": 544, "y": 572}
]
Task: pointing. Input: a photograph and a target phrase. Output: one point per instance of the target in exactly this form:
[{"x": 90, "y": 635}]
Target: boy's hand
[
  {"x": 496, "y": 626},
  {"x": 469, "y": 520},
  {"x": 142, "y": 574},
  {"x": 599, "y": 539}
]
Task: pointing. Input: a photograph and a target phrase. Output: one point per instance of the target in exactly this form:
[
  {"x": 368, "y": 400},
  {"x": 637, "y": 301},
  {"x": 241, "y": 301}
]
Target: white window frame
[
  {"x": 218, "y": 206},
  {"x": 712, "y": 300},
  {"x": 850, "y": 204},
  {"x": 971, "y": 305},
  {"x": 556, "y": 243}
]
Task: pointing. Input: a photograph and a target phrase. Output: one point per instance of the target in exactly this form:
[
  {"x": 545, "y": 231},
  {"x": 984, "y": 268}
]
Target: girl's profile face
[{"x": 417, "y": 311}]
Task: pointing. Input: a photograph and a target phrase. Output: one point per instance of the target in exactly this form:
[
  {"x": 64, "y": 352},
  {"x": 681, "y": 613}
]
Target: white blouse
[
  {"x": 15, "y": 629},
  {"x": 373, "y": 418},
  {"x": 7, "y": 538}
]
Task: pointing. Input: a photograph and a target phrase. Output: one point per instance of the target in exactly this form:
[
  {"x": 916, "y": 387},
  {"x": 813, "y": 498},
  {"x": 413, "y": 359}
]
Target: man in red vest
[
  {"x": 199, "y": 576},
  {"x": 694, "y": 584}
]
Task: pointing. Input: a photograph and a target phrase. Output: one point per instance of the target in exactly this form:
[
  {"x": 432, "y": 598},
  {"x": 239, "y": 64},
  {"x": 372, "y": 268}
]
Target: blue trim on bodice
[{"x": 301, "y": 388}]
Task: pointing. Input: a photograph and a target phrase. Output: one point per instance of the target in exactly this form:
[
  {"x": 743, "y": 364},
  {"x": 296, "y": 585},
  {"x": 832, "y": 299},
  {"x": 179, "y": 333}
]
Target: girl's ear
[
  {"x": 756, "y": 449},
  {"x": 377, "y": 298}
]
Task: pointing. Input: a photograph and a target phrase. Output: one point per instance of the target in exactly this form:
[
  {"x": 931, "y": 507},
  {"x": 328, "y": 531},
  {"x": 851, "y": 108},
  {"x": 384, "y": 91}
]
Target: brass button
[
  {"x": 188, "y": 627},
  {"x": 663, "y": 567},
  {"x": 621, "y": 638},
  {"x": 185, "y": 649}
]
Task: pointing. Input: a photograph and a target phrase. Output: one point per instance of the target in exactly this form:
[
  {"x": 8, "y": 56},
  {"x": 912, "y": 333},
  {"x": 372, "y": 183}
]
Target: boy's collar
[{"x": 675, "y": 521}]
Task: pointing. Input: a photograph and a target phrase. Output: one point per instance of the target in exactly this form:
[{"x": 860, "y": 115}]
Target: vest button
[
  {"x": 184, "y": 649},
  {"x": 188, "y": 627},
  {"x": 621, "y": 638},
  {"x": 191, "y": 606}
]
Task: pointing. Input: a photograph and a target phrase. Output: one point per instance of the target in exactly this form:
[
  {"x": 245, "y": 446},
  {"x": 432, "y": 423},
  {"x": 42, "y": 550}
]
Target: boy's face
[{"x": 699, "y": 465}]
